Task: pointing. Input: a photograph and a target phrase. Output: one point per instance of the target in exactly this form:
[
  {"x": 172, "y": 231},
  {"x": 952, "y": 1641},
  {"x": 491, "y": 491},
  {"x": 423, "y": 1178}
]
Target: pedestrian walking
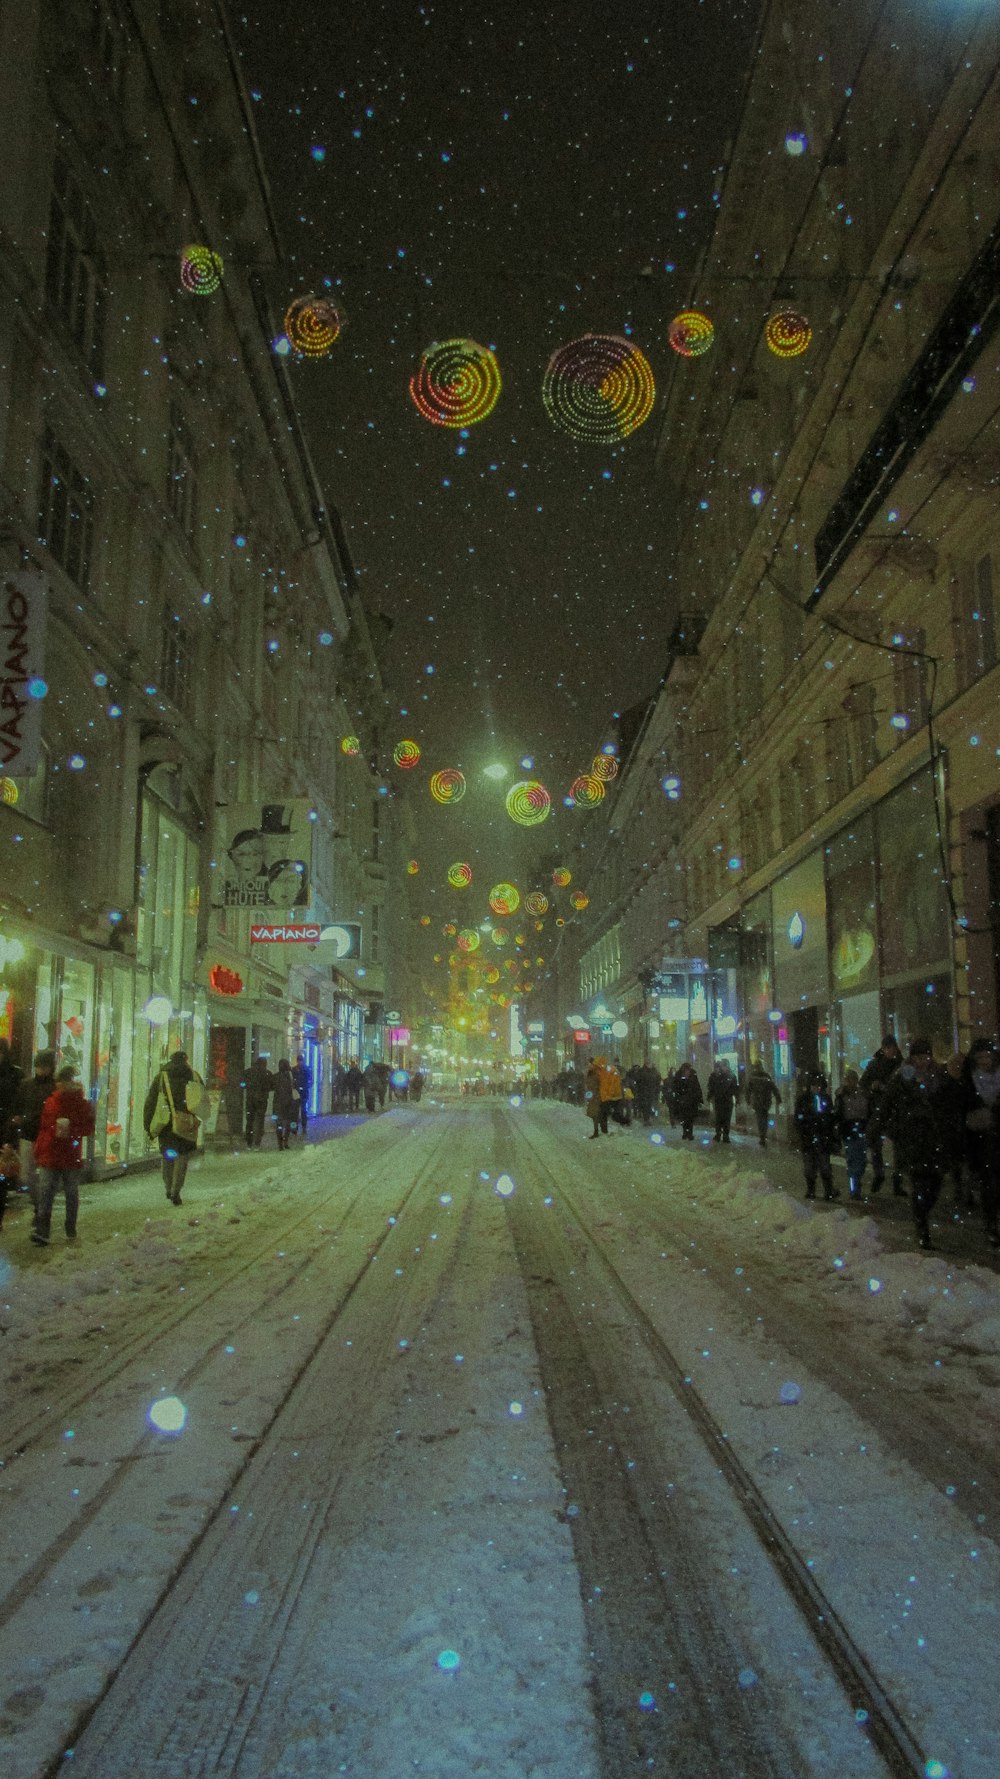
[
  {"x": 982, "y": 1130},
  {"x": 416, "y": 1085},
  {"x": 875, "y": 1079},
  {"x": 302, "y": 1078},
  {"x": 853, "y": 1112},
  {"x": 67, "y": 1121},
  {"x": 686, "y": 1099},
  {"x": 760, "y": 1092},
  {"x": 723, "y": 1089},
  {"x": 10, "y": 1174},
  {"x": 354, "y": 1081},
  {"x": 259, "y": 1086},
  {"x": 172, "y": 1115},
  {"x": 913, "y": 1118},
  {"x": 10, "y": 1081},
  {"x": 31, "y": 1096},
  {"x": 594, "y": 1101},
  {"x": 816, "y": 1124},
  {"x": 667, "y": 1094},
  {"x": 285, "y": 1105},
  {"x": 613, "y": 1093},
  {"x": 954, "y": 1106}
]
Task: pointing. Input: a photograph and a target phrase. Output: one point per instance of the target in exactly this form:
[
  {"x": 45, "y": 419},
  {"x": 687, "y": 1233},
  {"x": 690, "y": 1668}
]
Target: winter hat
[
  {"x": 45, "y": 1059},
  {"x": 890, "y": 1038},
  {"x": 67, "y": 1073}
]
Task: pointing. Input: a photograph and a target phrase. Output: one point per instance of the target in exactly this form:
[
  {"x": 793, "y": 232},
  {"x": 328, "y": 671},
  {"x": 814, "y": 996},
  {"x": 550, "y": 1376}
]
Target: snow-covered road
[{"x": 502, "y": 1454}]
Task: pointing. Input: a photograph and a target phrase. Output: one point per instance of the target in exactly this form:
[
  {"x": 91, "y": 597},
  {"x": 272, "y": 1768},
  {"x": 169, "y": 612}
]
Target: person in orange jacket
[{"x": 67, "y": 1120}]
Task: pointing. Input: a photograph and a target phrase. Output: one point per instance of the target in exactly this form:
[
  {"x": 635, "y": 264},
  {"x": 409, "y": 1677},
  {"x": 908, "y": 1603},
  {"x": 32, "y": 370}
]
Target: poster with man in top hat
[{"x": 267, "y": 857}]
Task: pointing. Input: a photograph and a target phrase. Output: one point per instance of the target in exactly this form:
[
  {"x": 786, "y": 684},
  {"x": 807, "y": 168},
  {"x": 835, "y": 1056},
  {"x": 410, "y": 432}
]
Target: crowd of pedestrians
[{"x": 940, "y": 1121}]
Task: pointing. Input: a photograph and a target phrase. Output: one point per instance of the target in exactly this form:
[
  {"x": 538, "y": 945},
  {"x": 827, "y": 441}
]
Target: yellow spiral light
[
  {"x": 587, "y": 791},
  {"x": 504, "y": 898},
  {"x": 456, "y": 383},
  {"x": 460, "y": 875},
  {"x": 406, "y": 754},
  {"x": 598, "y": 388},
  {"x": 350, "y": 745},
  {"x": 528, "y": 803},
  {"x": 201, "y": 270},
  {"x": 788, "y": 334},
  {"x": 313, "y": 324},
  {"x": 605, "y": 767},
  {"x": 448, "y": 786},
  {"x": 536, "y": 903},
  {"x": 691, "y": 333}
]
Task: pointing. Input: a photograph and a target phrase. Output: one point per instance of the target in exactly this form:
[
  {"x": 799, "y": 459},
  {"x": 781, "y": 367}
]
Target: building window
[
  {"x": 376, "y": 834},
  {"x": 974, "y": 622},
  {"x": 182, "y": 474},
  {"x": 65, "y": 511},
  {"x": 74, "y": 271},
  {"x": 909, "y": 683},
  {"x": 861, "y": 720},
  {"x": 175, "y": 658}
]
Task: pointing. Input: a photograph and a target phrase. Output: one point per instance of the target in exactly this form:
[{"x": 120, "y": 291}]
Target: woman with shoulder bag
[{"x": 169, "y": 1121}]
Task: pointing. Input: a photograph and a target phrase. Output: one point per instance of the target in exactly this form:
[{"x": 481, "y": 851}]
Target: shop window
[
  {"x": 851, "y": 907},
  {"x": 167, "y": 900},
  {"x": 175, "y": 658},
  {"x": 65, "y": 511},
  {"x": 914, "y": 911},
  {"x": 74, "y": 272},
  {"x": 974, "y": 622},
  {"x": 182, "y": 474}
]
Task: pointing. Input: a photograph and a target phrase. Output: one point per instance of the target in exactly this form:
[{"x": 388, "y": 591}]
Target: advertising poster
[
  {"x": 23, "y": 604},
  {"x": 267, "y": 857}
]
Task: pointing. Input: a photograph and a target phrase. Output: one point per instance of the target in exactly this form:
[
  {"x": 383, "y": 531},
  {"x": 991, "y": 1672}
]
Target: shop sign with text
[{"x": 22, "y": 658}]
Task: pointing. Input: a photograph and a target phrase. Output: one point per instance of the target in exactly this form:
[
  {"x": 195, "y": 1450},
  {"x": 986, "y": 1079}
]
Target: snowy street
[{"x": 497, "y": 1453}]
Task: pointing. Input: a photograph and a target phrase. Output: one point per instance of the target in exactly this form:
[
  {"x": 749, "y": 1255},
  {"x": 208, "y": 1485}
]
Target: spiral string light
[
  {"x": 586, "y": 791},
  {"x": 598, "y": 388},
  {"x": 468, "y": 939},
  {"x": 536, "y": 903},
  {"x": 788, "y": 334},
  {"x": 448, "y": 786},
  {"x": 499, "y": 935},
  {"x": 313, "y": 324},
  {"x": 413, "y": 866},
  {"x": 528, "y": 803},
  {"x": 561, "y": 877},
  {"x": 456, "y": 383},
  {"x": 201, "y": 271},
  {"x": 460, "y": 875},
  {"x": 504, "y": 898},
  {"x": 605, "y": 767},
  {"x": 579, "y": 901},
  {"x": 406, "y": 754},
  {"x": 691, "y": 333},
  {"x": 351, "y": 746}
]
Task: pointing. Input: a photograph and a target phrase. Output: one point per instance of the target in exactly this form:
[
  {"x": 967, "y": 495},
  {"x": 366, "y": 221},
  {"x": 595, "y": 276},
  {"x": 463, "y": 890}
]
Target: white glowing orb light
[
  {"x": 516, "y": 1409},
  {"x": 448, "y": 1661},
  {"x": 496, "y": 771},
  {"x": 167, "y": 1415},
  {"x": 158, "y": 1010},
  {"x": 516, "y": 1100},
  {"x": 505, "y": 1187}
]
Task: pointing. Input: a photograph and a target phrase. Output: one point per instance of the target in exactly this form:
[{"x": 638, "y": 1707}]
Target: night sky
[{"x": 517, "y": 176}]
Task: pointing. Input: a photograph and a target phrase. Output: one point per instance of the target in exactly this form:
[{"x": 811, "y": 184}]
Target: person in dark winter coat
[
  {"x": 646, "y": 1087},
  {"x": 416, "y": 1085},
  {"x": 913, "y": 1118},
  {"x": 10, "y": 1081},
  {"x": 10, "y": 1174},
  {"x": 816, "y": 1124},
  {"x": 853, "y": 1111},
  {"x": 259, "y": 1087},
  {"x": 67, "y": 1121},
  {"x": 686, "y": 1099},
  {"x": 31, "y": 1097},
  {"x": 723, "y": 1091},
  {"x": 285, "y": 1104},
  {"x": 595, "y": 1105},
  {"x": 875, "y": 1079},
  {"x": 954, "y": 1100},
  {"x": 982, "y": 1130},
  {"x": 760, "y": 1090},
  {"x": 302, "y": 1077},
  {"x": 176, "y": 1145},
  {"x": 371, "y": 1081},
  {"x": 354, "y": 1081}
]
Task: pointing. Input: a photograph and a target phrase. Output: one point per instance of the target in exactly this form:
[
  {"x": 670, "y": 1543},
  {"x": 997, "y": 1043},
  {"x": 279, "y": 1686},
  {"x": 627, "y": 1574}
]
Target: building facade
[
  {"x": 187, "y": 660},
  {"x": 805, "y": 850}
]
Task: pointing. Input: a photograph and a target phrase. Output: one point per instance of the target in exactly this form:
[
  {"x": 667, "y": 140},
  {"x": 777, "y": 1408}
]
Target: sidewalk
[{"x": 956, "y": 1234}]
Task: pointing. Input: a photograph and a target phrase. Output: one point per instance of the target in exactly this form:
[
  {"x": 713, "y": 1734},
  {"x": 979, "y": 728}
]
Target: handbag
[
  {"x": 183, "y": 1123},
  {"x": 161, "y": 1112}
]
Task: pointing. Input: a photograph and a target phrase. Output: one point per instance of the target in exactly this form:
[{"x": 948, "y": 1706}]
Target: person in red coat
[{"x": 67, "y": 1120}]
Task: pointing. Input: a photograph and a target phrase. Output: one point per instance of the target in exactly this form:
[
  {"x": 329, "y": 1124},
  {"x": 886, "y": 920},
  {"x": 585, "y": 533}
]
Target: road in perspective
[{"x": 458, "y": 1446}]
